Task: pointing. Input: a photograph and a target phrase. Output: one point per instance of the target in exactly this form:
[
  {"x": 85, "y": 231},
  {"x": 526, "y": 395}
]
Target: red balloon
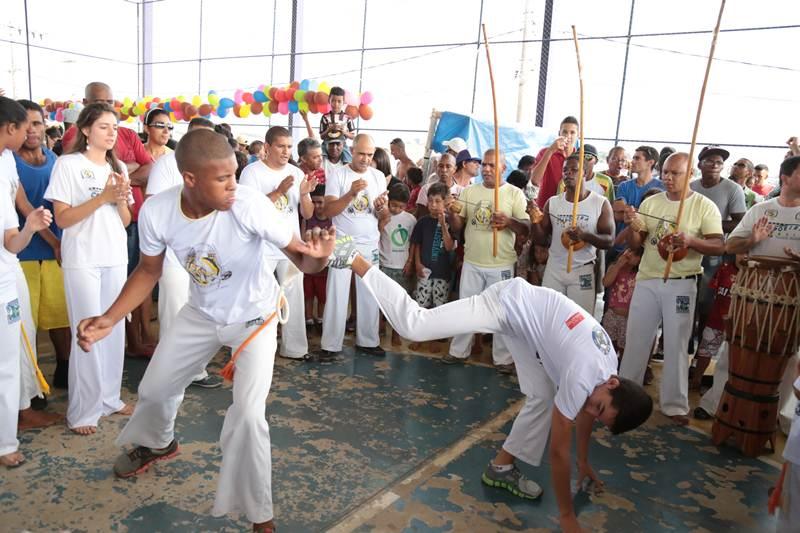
[
  {"x": 237, "y": 110},
  {"x": 309, "y": 97},
  {"x": 323, "y": 108},
  {"x": 272, "y": 91},
  {"x": 174, "y": 104},
  {"x": 157, "y": 100},
  {"x": 290, "y": 94},
  {"x": 280, "y": 95},
  {"x": 295, "y": 85},
  {"x": 273, "y": 106},
  {"x": 190, "y": 111},
  {"x": 365, "y": 111},
  {"x": 321, "y": 98},
  {"x": 256, "y": 107},
  {"x": 205, "y": 109},
  {"x": 248, "y": 97},
  {"x": 312, "y": 107},
  {"x": 351, "y": 111}
]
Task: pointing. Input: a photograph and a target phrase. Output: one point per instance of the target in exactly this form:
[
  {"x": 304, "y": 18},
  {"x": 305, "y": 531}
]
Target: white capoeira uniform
[
  {"x": 358, "y": 220},
  {"x": 579, "y": 284},
  {"x": 94, "y": 260},
  {"x": 173, "y": 286},
  {"x": 785, "y": 234},
  {"x": 560, "y": 351},
  {"x": 232, "y": 293},
  {"x": 294, "y": 341},
  {"x": 10, "y": 319}
]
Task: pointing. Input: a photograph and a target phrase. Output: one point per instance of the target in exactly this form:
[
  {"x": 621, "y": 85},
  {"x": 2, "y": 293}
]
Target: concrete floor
[{"x": 365, "y": 444}]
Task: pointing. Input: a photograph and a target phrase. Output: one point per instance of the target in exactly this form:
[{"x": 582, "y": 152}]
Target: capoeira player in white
[
  {"x": 216, "y": 230},
  {"x": 563, "y": 357}
]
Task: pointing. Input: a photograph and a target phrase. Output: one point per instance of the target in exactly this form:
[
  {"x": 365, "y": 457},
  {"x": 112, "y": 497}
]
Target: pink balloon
[
  {"x": 366, "y": 98},
  {"x": 324, "y": 108},
  {"x": 60, "y": 114},
  {"x": 350, "y": 98},
  {"x": 283, "y": 108},
  {"x": 237, "y": 96}
]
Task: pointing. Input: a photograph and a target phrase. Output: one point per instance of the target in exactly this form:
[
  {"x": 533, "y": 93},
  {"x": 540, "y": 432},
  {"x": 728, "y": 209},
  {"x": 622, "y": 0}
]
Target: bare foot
[
  {"x": 84, "y": 430},
  {"x": 264, "y": 527},
  {"x": 127, "y": 410},
  {"x": 396, "y": 339},
  {"x": 29, "y": 419},
  {"x": 680, "y": 420},
  {"x": 12, "y": 460}
]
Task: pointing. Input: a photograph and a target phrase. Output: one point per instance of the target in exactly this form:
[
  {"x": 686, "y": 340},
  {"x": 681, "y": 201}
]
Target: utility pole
[{"x": 17, "y": 32}]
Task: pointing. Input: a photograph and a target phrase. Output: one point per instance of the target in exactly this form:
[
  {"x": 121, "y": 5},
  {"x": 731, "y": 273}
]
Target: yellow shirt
[
  {"x": 700, "y": 217},
  {"x": 476, "y": 209}
]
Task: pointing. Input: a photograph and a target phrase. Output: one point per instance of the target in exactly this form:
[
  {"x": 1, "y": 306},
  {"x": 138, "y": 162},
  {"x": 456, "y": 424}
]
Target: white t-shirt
[
  {"x": 98, "y": 240},
  {"x": 791, "y": 452},
  {"x": 9, "y": 183},
  {"x": 785, "y": 231},
  {"x": 358, "y": 218},
  {"x": 422, "y": 198},
  {"x": 589, "y": 211},
  {"x": 555, "y": 332},
  {"x": 8, "y": 261},
  {"x": 265, "y": 179},
  {"x": 394, "y": 240},
  {"x": 331, "y": 168},
  {"x": 223, "y": 252},
  {"x": 165, "y": 175}
]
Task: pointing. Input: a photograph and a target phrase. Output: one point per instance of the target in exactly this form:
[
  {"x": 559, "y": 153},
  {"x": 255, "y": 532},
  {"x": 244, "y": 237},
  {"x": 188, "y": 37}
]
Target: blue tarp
[{"x": 479, "y": 136}]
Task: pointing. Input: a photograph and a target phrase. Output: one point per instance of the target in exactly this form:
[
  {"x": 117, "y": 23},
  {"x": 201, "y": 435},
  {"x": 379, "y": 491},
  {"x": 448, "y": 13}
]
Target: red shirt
[
  {"x": 722, "y": 283},
  {"x": 552, "y": 175},
  {"x": 128, "y": 149},
  {"x": 319, "y": 173},
  {"x": 762, "y": 189}
]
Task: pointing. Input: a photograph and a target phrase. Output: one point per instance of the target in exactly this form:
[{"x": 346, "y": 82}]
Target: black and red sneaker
[{"x": 140, "y": 458}]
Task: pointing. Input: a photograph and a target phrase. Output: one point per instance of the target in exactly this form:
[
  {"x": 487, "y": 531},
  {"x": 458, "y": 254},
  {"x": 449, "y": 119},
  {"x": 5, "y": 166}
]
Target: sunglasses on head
[
  {"x": 161, "y": 125},
  {"x": 738, "y": 164}
]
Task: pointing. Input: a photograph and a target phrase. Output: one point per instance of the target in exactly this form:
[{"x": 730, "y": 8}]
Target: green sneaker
[
  {"x": 140, "y": 458},
  {"x": 344, "y": 253},
  {"x": 513, "y": 481}
]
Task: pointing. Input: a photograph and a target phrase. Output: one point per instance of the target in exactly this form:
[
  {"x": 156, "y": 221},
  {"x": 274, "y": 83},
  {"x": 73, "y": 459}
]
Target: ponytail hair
[{"x": 89, "y": 115}]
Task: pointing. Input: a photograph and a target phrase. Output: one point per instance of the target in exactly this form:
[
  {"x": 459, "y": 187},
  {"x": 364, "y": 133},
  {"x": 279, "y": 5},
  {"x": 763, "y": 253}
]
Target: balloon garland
[{"x": 299, "y": 96}]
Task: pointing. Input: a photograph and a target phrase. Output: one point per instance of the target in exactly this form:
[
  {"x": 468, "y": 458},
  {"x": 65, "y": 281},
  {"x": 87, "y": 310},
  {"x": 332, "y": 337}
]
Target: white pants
[
  {"x": 334, "y": 317},
  {"x": 474, "y": 280},
  {"x": 9, "y": 377},
  {"x": 294, "y": 340},
  {"x": 710, "y": 400},
  {"x": 578, "y": 285},
  {"x": 173, "y": 293},
  {"x": 29, "y": 383},
  {"x": 789, "y": 513},
  {"x": 95, "y": 378},
  {"x": 477, "y": 314},
  {"x": 672, "y": 304},
  {"x": 186, "y": 348}
]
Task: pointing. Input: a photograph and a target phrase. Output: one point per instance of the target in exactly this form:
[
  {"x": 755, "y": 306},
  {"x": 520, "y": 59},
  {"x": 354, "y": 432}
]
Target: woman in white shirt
[{"x": 90, "y": 192}]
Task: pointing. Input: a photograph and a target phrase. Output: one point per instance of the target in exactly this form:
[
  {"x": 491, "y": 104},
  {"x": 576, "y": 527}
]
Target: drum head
[{"x": 772, "y": 263}]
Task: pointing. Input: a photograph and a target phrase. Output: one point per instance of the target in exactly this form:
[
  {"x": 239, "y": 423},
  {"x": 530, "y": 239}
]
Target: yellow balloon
[
  {"x": 181, "y": 98},
  {"x": 196, "y": 101},
  {"x": 172, "y": 117},
  {"x": 244, "y": 111},
  {"x": 127, "y": 102},
  {"x": 130, "y": 119},
  {"x": 213, "y": 99},
  {"x": 266, "y": 111}
]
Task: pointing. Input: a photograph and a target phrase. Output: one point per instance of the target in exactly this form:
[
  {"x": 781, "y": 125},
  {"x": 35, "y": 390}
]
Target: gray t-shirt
[
  {"x": 728, "y": 196},
  {"x": 785, "y": 232}
]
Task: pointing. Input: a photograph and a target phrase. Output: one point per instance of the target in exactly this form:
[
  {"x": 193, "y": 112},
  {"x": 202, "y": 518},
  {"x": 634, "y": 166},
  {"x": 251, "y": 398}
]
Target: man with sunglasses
[{"x": 741, "y": 173}]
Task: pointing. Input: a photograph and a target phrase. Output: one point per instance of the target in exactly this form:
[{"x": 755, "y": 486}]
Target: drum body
[{"x": 762, "y": 332}]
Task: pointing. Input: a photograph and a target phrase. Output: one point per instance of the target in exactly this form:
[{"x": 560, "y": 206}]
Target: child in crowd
[
  {"x": 714, "y": 331},
  {"x": 395, "y": 259},
  {"x": 335, "y": 124},
  {"x": 414, "y": 182},
  {"x": 620, "y": 279},
  {"x": 536, "y": 273},
  {"x": 314, "y": 284},
  {"x": 523, "y": 244},
  {"x": 432, "y": 257}
]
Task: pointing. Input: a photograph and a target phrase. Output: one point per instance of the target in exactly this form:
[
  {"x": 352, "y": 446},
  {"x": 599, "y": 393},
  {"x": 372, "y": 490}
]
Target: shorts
[
  {"x": 615, "y": 325},
  {"x": 396, "y": 274},
  {"x": 133, "y": 246},
  {"x": 46, "y": 286},
  {"x": 710, "y": 341},
  {"x": 432, "y": 292},
  {"x": 314, "y": 286}
]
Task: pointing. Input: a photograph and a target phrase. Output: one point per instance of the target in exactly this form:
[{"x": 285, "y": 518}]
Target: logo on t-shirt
[
  {"x": 87, "y": 173},
  {"x": 203, "y": 265},
  {"x": 399, "y": 236},
  {"x": 360, "y": 204},
  {"x": 662, "y": 228},
  {"x": 12, "y": 311},
  {"x": 601, "y": 340},
  {"x": 95, "y": 191},
  {"x": 483, "y": 215},
  {"x": 574, "y": 319},
  {"x": 282, "y": 204}
]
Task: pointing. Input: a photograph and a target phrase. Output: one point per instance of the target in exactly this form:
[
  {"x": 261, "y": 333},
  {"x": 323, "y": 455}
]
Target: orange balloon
[
  {"x": 205, "y": 109},
  {"x": 351, "y": 111},
  {"x": 273, "y": 106},
  {"x": 365, "y": 111},
  {"x": 320, "y": 98},
  {"x": 256, "y": 107}
]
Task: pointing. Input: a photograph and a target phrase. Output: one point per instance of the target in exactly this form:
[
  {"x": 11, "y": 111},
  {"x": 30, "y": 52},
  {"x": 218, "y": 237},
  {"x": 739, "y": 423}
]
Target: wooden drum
[{"x": 763, "y": 327}]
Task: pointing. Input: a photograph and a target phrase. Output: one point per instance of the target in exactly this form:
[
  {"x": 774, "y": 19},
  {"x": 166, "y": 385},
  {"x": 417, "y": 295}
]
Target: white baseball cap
[{"x": 456, "y": 144}]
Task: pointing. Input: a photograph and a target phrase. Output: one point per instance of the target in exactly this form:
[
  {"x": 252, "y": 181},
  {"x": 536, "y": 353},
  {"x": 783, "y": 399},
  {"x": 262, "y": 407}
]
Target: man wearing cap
[
  {"x": 467, "y": 167},
  {"x": 729, "y": 199},
  {"x": 455, "y": 146},
  {"x": 670, "y": 303},
  {"x": 593, "y": 181},
  {"x": 550, "y": 161},
  {"x": 332, "y": 148},
  {"x": 243, "y": 144}
]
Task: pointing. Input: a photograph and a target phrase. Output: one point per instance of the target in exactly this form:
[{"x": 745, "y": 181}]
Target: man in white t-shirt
[
  {"x": 445, "y": 170},
  {"x": 217, "y": 230},
  {"x": 289, "y": 189},
  {"x": 173, "y": 286},
  {"x": 332, "y": 154},
  {"x": 772, "y": 229},
  {"x": 350, "y": 195},
  {"x": 565, "y": 362}
]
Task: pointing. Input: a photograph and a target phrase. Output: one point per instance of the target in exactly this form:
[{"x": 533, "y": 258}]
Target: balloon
[
  {"x": 196, "y": 100},
  {"x": 190, "y": 111},
  {"x": 175, "y": 104},
  {"x": 273, "y": 106},
  {"x": 312, "y": 108},
  {"x": 324, "y": 108},
  {"x": 237, "y": 110},
  {"x": 365, "y": 111},
  {"x": 272, "y": 93},
  {"x": 280, "y": 95},
  {"x": 259, "y": 96},
  {"x": 283, "y": 108},
  {"x": 244, "y": 111},
  {"x": 256, "y": 107},
  {"x": 302, "y": 106},
  {"x": 222, "y": 112},
  {"x": 172, "y": 117},
  {"x": 351, "y": 111},
  {"x": 213, "y": 99},
  {"x": 267, "y": 112},
  {"x": 60, "y": 114},
  {"x": 181, "y": 98},
  {"x": 321, "y": 98},
  {"x": 248, "y": 98},
  {"x": 309, "y": 96},
  {"x": 237, "y": 96},
  {"x": 350, "y": 98},
  {"x": 293, "y": 106},
  {"x": 205, "y": 109},
  {"x": 290, "y": 94},
  {"x": 300, "y": 95},
  {"x": 304, "y": 85},
  {"x": 130, "y": 119},
  {"x": 295, "y": 85},
  {"x": 366, "y": 98},
  {"x": 324, "y": 88}
]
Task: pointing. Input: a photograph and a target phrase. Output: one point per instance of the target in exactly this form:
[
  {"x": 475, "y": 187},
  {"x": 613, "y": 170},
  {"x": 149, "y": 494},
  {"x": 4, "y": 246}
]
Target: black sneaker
[
  {"x": 448, "y": 359},
  {"x": 377, "y": 351},
  {"x": 140, "y": 458},
  {"x": 321, "y": 356},
  {"x": 513, "y": 481},
  {"x": 208, "y": 382},
  {"x": 39, "y": 404},
  {"x": 701, "y": 414}
]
